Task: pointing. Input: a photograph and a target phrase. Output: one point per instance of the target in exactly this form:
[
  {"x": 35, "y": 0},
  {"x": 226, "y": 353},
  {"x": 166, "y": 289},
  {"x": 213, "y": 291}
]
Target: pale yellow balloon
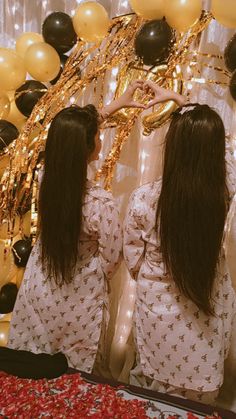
[
  {"x": 5, "y": 317},
  {"x": 148, "y": 9},
  {"x": 4, "y": 105},
  {"x": 15, "y": 116},
  {"x": 26, "y": 40},
  {"x": 4, "y": 228},
  {"x": 12, "y": 70},
  {"x": 224, "y": 12},
  {"x": 19, "y": 276},
  {"x": 91, "y": 22},
  {"x": 7, "y": 266},
  {"x": 4, "y": 332},
  {"x": 42, "y": 61},
  {"x": 182, "y": 14}
]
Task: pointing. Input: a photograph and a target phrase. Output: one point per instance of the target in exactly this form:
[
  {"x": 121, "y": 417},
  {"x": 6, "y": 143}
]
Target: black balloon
[
  {"x": 63, "y": 59},
  {"x": 230, "y": 54},
  {"x": 8, "y": 295},
  {"x": 21, "y": 251},
  {"x": 59, "y": 32},
  {"x": 153, "y": 42},
  {"x": 8, "y": 133},
  {"x": 26, "y": 101},
  {"x": 232, "y": 86}
]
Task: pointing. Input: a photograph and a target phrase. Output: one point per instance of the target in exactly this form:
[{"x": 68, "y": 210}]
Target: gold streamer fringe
[{"x": 19, "y": 182}]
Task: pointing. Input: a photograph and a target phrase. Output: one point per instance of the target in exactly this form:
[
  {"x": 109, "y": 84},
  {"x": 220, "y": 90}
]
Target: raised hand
[
  {"x": 126, "y": 100},
  {"x": 162, "y": 95}
]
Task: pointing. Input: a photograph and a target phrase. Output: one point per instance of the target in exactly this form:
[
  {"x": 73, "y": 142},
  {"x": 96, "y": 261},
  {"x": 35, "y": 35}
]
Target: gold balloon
[
  {"x": 148, "y": 9},
  {"x": 224, "y": 12},
  {"x": 4, "y": 331},
  {"x": 19, "y": 276},
  {"x": 182, "y": 14},
  {"x": 4, "y": 106},
  {"x": 15, "y": 116},
  {"x": 91, "y": 22},
  {"x": 12, "y": 70},
  {"x": 159, "y": 117},
  {"x": 7, "y": 265},
  {"x": 42, "y": 61},
  {"x": 4, "y": 227},
  {"x": 5, "y": 317},
  {"x": 26, "y": 40},
  {"x": 26, "y": 224}
]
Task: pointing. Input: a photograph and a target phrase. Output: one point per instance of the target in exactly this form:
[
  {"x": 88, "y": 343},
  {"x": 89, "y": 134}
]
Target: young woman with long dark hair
[
  {"x": 173, "y": 247},
  {"x": 62, "y": 305}
]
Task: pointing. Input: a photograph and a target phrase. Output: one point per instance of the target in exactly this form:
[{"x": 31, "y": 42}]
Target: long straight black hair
[
  {"x": 193, "y": 202},
  {"x": 70, "y": 141}
]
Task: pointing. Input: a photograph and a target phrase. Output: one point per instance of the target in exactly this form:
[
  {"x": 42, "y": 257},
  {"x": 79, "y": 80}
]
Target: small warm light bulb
[{"x": 114, "y": 71}]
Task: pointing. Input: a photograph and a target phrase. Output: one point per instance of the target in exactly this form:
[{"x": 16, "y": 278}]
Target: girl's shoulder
[
  {"x": 147, "y": 192},
  {"x": 96, "y": 193}
]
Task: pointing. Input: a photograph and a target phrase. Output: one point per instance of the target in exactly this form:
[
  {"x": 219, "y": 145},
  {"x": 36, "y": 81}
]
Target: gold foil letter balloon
[
  {"x": 182, "y": 14},
  {"x": 91, "y": 22},
  {"x": 148, "y": 9},
  {"x": 225, "y": 12},
  {"x": 12, "y": 70},
  {"x": 162, "y": 114},
  {"x": 42, "y": 61},
  {"x": 26, "y": 40}
]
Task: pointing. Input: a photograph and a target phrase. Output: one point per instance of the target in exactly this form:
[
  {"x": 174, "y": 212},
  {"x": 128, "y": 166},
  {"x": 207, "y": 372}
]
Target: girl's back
[
  {"x": 173, "y": 247},
  {"x": 177, "y": 343},
  {"x": 69, "y": 318}
]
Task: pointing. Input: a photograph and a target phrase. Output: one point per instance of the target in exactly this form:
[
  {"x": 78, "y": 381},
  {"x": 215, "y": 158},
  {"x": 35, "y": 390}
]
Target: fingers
[
  {"x": 149, "y": 85},
  {"x": 153, "y": 103},
  {"x": 136, "y": 84},
  {"x": 137, "y": 105}
]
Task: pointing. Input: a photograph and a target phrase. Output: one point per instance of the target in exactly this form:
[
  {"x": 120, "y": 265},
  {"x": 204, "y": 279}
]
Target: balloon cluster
[
  {"x": 38, "y": 56},
  {"x": 154, "y": 40},
  {"x": 43, "y": 57},
  {"x": 181, "y": 15}
]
